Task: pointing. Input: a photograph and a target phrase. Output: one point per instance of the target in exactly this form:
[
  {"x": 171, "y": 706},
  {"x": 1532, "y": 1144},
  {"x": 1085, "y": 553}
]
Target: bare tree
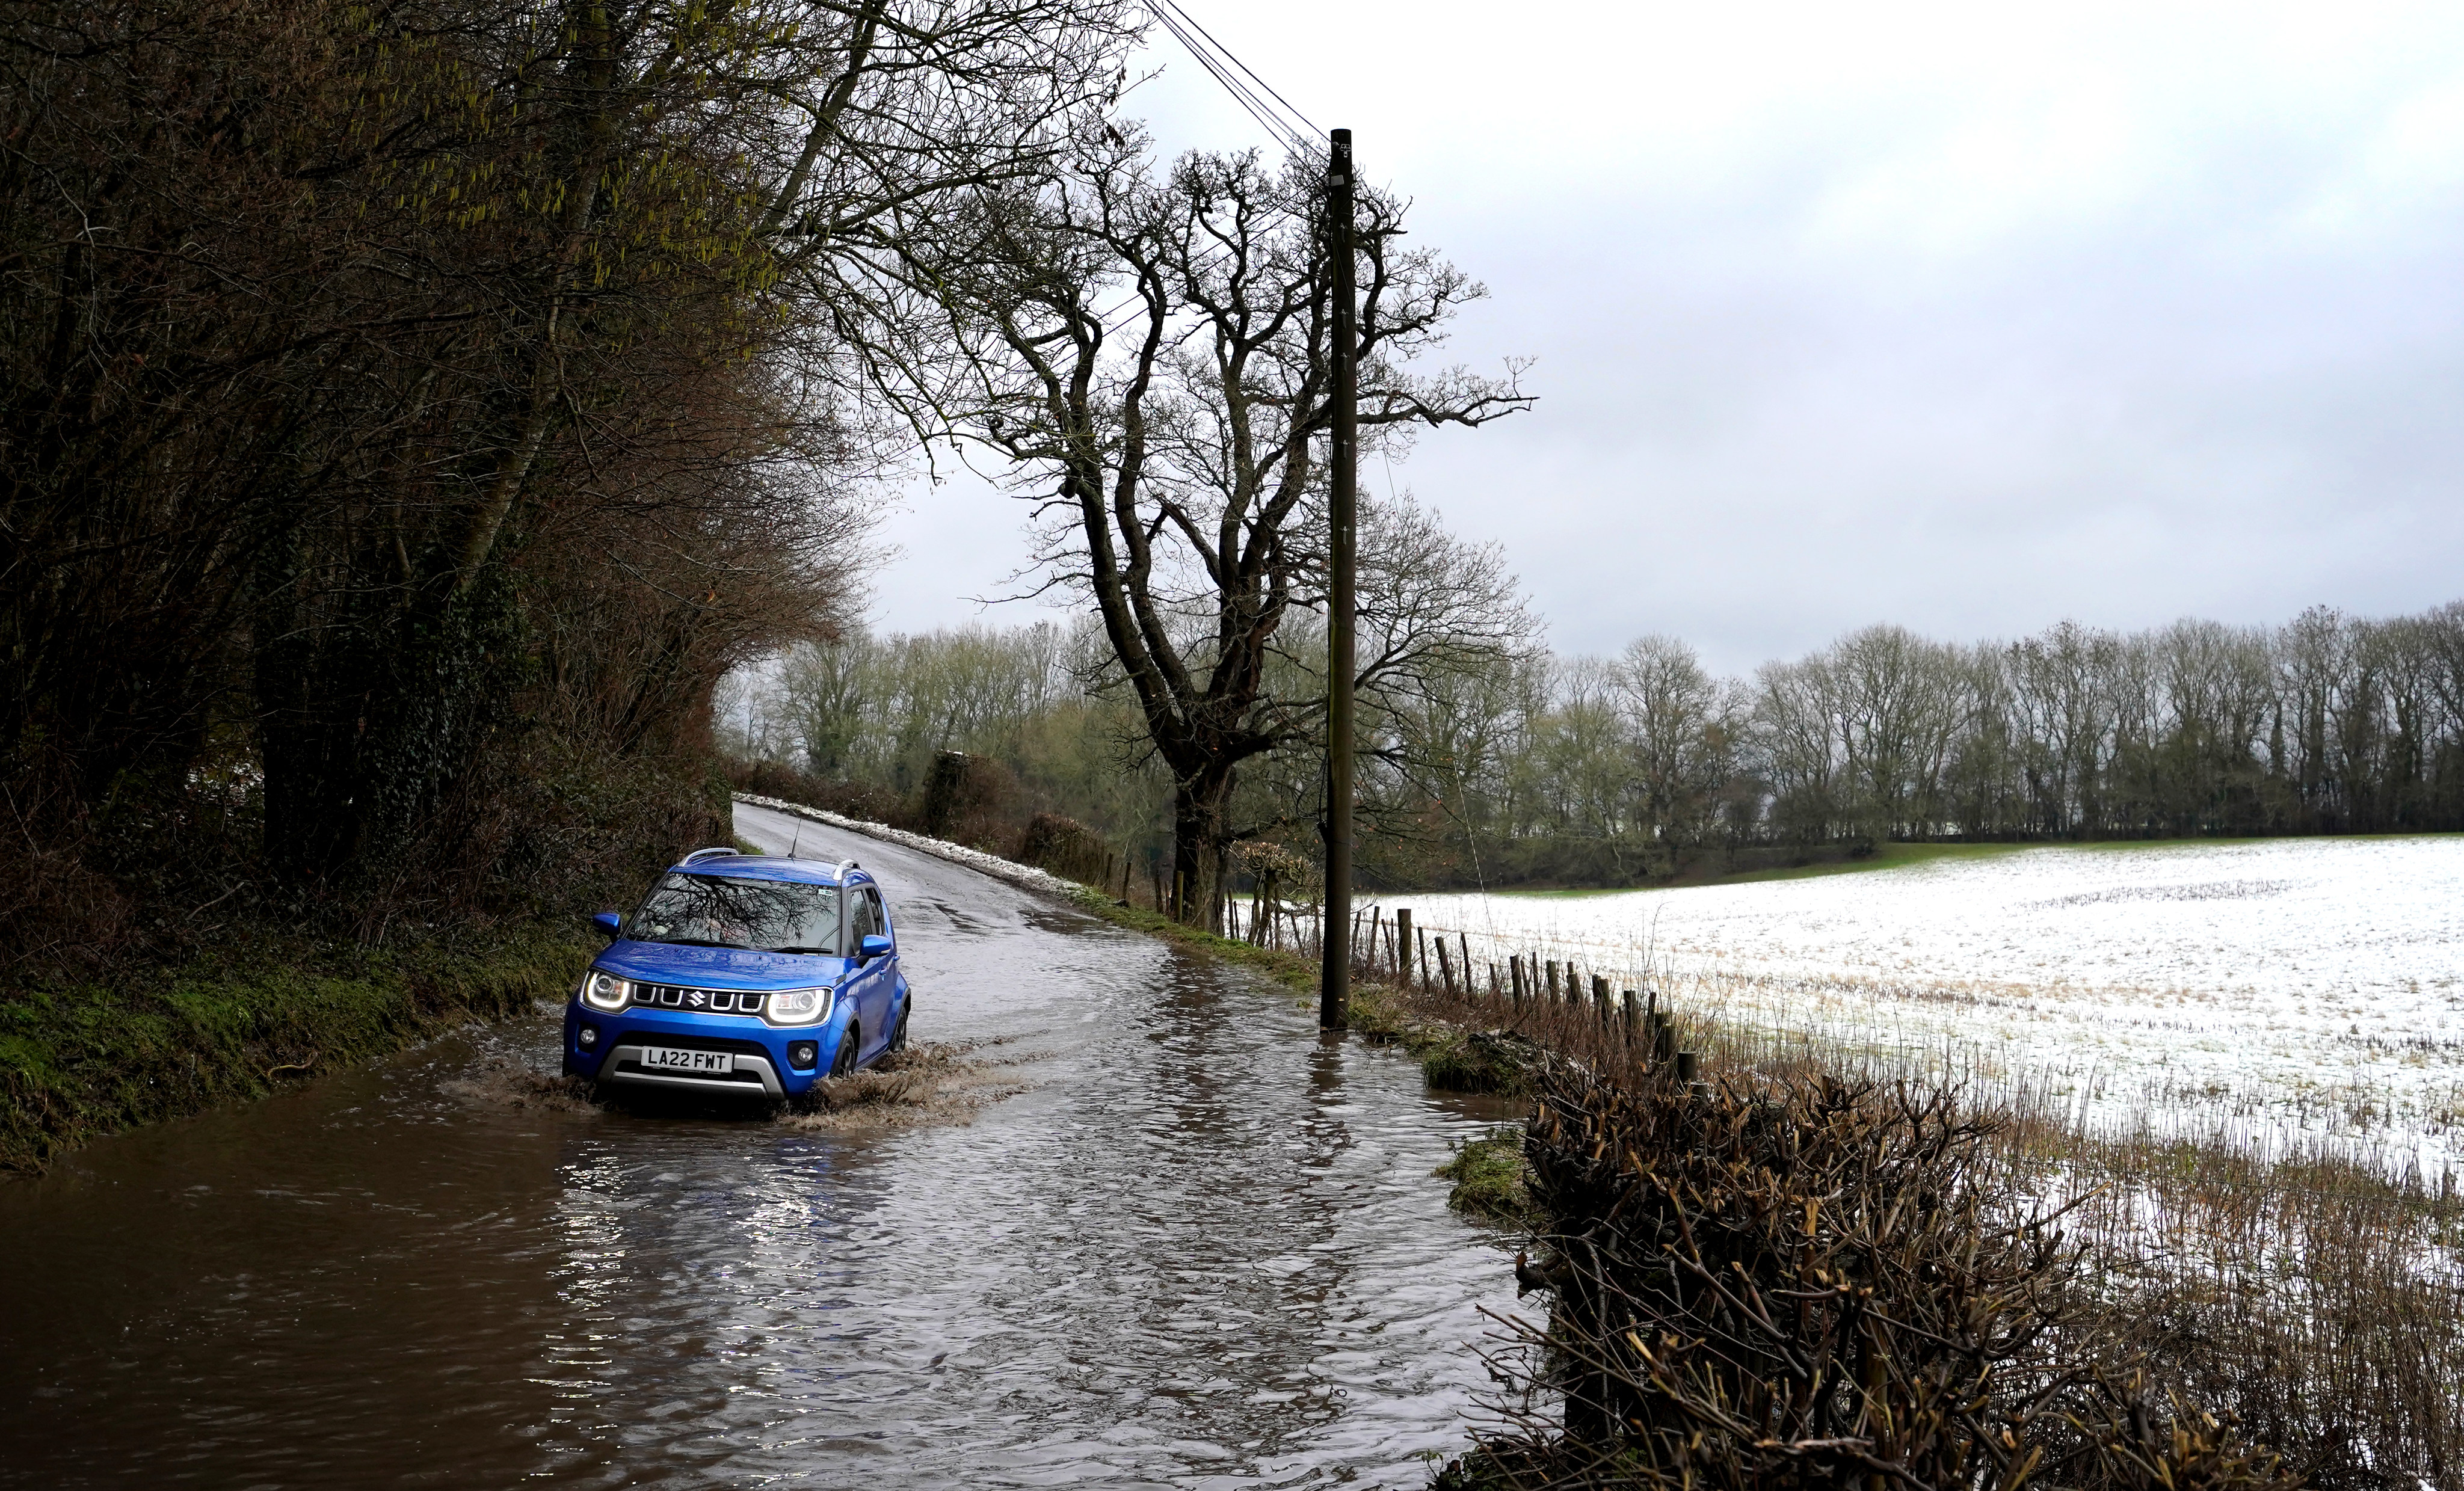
[
  {"x": 1682, "y": 743},
  {"x": 1152, "y": 356}
]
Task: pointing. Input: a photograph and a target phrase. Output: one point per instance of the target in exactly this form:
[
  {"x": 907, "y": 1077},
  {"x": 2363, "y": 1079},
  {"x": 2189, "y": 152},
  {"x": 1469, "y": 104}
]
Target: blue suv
[{"x": 741, "y": 977}]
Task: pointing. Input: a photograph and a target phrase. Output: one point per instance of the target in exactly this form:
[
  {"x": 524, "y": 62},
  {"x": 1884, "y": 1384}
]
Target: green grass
[
  {"x": 1903, "y": 856},
  {"x": 1900, "y": 856},
  {"x": 1886, "y": 856},
  {"x": 83, "y": 1059},
  {"x": 1491, "y": 1177},
  {"x": 1291, "y": 970},
  {"x": 1560, "y": 893}
]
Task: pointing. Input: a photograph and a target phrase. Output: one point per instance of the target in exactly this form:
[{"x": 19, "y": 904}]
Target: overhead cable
[
  {"x": 1311, "y": 130},
  {"x": 1280, "y": 119},
  {"x": 1287, "y": 124}
]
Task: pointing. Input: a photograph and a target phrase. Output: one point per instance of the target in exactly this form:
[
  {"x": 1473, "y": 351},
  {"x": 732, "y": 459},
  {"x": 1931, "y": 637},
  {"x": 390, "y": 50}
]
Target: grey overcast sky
[{"x": 1967, "y": 318}]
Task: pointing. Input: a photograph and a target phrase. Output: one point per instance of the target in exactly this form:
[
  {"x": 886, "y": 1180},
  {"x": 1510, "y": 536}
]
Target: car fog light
[
  {"x": 803, "y": 1054},
  {"x": 588, "y": 1037}
]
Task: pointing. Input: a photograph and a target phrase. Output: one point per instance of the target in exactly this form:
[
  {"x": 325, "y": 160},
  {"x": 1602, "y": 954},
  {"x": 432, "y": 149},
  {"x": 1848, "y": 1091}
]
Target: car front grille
[{"x": 698, "y": 1001}]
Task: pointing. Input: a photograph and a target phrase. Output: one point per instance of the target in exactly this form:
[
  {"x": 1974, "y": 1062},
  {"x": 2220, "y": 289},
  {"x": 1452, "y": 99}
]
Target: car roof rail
[{"x": 699, "y": 855}]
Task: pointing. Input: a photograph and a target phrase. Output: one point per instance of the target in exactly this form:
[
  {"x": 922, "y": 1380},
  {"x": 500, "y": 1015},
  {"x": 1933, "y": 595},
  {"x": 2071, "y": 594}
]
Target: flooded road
[{"x": 1182, "y": 1241}]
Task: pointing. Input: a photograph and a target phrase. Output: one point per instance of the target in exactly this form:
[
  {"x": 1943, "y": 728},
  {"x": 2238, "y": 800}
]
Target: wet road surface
[{"x": 1181, "y": 1240}]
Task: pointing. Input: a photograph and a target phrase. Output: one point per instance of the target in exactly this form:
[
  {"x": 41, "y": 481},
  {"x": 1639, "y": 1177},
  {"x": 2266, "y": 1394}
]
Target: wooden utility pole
[{"x": 1334, "y": 970}]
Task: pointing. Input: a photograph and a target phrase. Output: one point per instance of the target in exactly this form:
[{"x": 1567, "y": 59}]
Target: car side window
[
  {"x": 867, "y": 918},
  {"x": 873, "y": 911}
]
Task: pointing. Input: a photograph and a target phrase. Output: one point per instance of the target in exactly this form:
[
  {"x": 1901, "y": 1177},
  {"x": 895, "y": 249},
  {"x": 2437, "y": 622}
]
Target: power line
[
  {"x": 1285, "y": 124},
  {"x": 1289, "y": 126},
  {"x": 1258, "y": 108},
  {"x": 1311, "y": 130}
]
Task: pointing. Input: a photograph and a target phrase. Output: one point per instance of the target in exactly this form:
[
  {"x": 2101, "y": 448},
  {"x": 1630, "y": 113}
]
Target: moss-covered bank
[
  {"x": 1491, "y": 1178},
  {"x": 80, "y": 1059}
]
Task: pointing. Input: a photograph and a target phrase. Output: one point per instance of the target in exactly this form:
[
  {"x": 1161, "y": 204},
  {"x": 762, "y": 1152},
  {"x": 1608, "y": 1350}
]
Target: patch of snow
[{"x": 2291, "y": 991}]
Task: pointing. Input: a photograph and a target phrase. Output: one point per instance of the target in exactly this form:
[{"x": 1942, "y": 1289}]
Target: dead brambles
[{"x": 1782, "y": 1283}]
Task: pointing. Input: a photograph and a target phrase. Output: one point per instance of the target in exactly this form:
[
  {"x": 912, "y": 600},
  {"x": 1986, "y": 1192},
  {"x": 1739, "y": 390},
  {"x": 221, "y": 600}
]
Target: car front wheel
[{"x": 843, "y": 1064}]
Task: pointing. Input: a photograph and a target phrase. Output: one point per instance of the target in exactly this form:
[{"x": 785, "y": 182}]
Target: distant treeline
[
  {"x": 2330, "y": 724},
  {"x": 855, "y": 725},
  {"x": 1643, "y": 765}
]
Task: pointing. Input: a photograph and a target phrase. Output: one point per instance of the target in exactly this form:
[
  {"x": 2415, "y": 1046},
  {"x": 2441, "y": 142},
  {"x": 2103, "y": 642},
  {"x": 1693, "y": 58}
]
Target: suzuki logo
[{"x": 696, "y": 998}]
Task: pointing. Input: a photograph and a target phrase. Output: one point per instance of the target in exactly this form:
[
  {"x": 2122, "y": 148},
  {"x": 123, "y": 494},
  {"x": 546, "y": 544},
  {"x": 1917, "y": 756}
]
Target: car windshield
[{"x": 726, "y": 912}]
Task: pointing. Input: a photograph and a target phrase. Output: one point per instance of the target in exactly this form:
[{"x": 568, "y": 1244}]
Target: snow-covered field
[{"x": 2294, "y": 992}]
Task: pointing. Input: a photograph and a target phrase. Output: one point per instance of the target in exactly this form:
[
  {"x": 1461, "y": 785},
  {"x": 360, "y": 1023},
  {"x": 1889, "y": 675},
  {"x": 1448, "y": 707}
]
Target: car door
[
  {"x": 874, "y": 982},
  {"x": 890, "y": 979}
]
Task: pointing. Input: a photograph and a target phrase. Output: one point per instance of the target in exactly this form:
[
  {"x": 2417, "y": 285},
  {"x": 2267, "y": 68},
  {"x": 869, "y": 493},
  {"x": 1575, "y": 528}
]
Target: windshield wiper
[
  {"x": 825, "y": 951},
  {"x": 698, "y": 942}
]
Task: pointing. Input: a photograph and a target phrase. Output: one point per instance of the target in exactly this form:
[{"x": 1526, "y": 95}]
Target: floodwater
[
  {"x": 2288, "y": 991},
  {"x": 1148, "y": 1229}
]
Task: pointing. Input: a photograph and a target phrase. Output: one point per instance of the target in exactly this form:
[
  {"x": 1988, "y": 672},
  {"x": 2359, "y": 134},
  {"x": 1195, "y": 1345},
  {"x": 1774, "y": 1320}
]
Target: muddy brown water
[{"x": 1151, "y": 1230}]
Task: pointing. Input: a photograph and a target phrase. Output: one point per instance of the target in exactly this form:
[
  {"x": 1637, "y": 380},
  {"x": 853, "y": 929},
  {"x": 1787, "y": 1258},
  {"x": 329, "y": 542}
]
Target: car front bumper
[{"x": 766, "y": 1062}]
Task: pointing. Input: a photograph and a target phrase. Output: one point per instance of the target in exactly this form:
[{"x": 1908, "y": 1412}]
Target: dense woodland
[
  {"x": 1520, "y": 766},
  {"x": 408, "y": 413}
]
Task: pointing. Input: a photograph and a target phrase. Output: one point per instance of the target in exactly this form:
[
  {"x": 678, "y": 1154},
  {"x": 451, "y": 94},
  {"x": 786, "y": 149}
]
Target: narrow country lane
[{"x": 1184, "y": 1241}]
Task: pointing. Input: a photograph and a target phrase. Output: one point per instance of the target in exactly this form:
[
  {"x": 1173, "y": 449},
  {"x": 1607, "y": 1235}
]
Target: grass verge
[
  {"x": 81, "y": 1060},
  {"x": 1491, "y": 1178},
  {"x": 1455, "y": 1056}
]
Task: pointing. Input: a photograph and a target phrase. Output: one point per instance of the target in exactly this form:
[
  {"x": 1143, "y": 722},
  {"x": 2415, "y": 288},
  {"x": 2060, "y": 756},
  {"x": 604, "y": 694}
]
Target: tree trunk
[{"x": 1200, "y": 842}]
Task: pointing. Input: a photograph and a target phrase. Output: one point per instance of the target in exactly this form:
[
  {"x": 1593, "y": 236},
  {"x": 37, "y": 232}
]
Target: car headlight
[
  {"x": 797, "y": 1007},
  {"x": 606, "y": 991}
]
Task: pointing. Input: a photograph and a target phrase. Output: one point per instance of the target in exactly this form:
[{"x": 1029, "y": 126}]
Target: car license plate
[{"x": 700, "y": 1063}]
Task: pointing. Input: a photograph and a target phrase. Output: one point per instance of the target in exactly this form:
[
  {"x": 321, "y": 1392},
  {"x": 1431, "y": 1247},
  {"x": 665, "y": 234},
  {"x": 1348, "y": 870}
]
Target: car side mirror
[
  {"x": 610, "y": 924},
  {"x": 873, "y": 946}
]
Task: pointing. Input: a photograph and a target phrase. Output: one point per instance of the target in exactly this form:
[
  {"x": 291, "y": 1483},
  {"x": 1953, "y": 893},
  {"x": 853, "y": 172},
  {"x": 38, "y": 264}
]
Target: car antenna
[{"x": 798, "y": 841}]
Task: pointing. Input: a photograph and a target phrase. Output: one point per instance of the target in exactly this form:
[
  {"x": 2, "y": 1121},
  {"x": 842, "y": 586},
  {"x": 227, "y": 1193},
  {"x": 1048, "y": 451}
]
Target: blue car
[{"x": 741, "y": 977}]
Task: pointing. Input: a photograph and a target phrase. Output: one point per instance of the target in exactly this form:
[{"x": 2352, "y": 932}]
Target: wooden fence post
[
  {"x": 1403, "y": 946},
  {"x": 1446, "y": 968},
  {"x": 1601, "y": 997},
  {"x": 1552, "y": 981}
]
